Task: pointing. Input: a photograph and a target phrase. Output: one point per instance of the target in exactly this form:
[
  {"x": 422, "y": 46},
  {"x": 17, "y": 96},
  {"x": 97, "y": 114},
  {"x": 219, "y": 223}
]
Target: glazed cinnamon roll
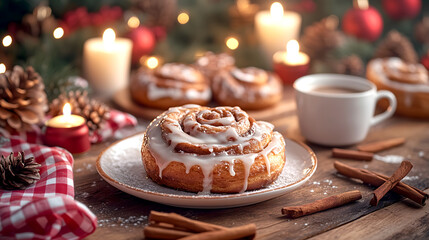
[
  {"x": 210, "y": 63},
  {"x": 408, "y": 81},
  {"x": 248, "y": 88},
  {"x": 172, "y": 84},
  {"x": 219, "y": 150}
]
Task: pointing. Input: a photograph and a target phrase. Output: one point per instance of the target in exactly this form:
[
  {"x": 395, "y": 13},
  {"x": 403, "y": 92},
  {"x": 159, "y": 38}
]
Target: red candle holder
[
  {"x": 289, "y": 73},
  {"x": 74, "y": 139}
]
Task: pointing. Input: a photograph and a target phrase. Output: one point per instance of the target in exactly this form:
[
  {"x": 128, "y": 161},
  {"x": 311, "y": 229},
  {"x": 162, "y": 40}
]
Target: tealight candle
[
  {"x": 276, "y": 27},
  {"x": 107, "y": 61},
  {"x": 291, "y": 64},
  {"x": 67, "y": 131}
]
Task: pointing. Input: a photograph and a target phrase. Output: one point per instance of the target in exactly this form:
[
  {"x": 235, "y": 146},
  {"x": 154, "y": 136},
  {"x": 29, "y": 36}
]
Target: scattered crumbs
[
  {"x": 123, "y": 222},
  {"x": 325, "y": 193},
  {"x": 365, "y": 166},
  {"x": 421, "y": 154},
  {"x": 94, "y": 184},
  {"x": 329, "y": 181},
  {"x": 334, "y": 187},
  {"x": 295, "y": 223},
  {"x": 312, "y": 190},
  {"x": 389, "y": 158},
  {"x": 316, "y": 183},
  {"x": 88, "y": 166},
  {"x": 305, "y": 224},
  {"x": 410, "y": 178},
  {"x": 78, "y": 170}
]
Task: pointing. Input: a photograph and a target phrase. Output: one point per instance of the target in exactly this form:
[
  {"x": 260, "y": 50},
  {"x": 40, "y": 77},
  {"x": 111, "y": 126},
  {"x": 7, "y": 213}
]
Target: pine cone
[
  {"x": 93, "y": 111},
  {"x": 18, "y": 172},
  {"x": 22, "y": 99},
  {"x": 421, "y": 31},
  {"x": 396, "y": 45},
  {"x": 321, "y": 37},
  {"x": 351, "y": 65}
]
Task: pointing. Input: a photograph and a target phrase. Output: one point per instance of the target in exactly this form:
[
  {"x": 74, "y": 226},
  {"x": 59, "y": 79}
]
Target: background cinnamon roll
[
  {"x": 248, "y": 88},
  {"x": 172, "y": 84},
  {"x": 221, "y": 150},
  {"x": 210, "y": 63},
  {"x": 408, "y": 81}
]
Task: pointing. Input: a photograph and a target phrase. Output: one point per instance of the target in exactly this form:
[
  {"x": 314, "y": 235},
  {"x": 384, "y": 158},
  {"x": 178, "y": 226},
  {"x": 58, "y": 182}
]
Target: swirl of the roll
[
  {"x": 398, "y": 70},
  {"x": 213, "y": 145},
  {"x": 211, "y": 63},
  {"x": 172, "y": 84},
  {"x": 249, "y": 88}
]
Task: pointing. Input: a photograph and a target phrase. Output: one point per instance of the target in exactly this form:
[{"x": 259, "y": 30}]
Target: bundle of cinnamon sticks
[{"x": 174, "y": 226}]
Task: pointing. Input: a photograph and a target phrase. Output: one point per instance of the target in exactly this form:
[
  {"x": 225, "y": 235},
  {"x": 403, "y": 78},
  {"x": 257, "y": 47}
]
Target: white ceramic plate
[{"x": 121, "y": 166}]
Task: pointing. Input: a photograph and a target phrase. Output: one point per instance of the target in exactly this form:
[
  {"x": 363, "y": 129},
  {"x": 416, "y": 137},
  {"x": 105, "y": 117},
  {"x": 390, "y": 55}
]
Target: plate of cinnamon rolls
[
  {"x": 212, "y": 80},
  {"x": 207, "y": 157}
]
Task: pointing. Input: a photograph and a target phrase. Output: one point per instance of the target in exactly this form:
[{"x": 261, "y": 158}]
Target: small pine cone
[
  {"x": 351, "y": 65},
  {"x": 17, "y": 172},
  {"x": 23, "y": 99},
  {"x": 94, "y": 112},
  {"x": 321, "y": 37},
  {"x": 421, "y": 31},
  {"x": 396, "y": 45}
]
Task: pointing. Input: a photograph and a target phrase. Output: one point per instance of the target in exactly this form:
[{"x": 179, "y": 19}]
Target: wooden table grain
[{"x": 123, "y": 216}]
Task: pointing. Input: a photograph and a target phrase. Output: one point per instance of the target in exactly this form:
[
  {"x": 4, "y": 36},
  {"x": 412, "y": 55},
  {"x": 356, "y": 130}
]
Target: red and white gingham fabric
[
  {"x": 46, "y": 209},
  {"x": 116, "y": 121}
]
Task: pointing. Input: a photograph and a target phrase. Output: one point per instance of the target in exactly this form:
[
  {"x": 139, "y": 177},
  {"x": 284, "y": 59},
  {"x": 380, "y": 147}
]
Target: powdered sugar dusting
[{"x": 389, "y": 158}]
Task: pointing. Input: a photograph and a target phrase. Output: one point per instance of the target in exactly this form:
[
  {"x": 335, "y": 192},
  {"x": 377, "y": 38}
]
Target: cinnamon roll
[
  {"x": 408, "y": 81},
  {"x": 248, "y": 88},
  {"x": 218, "y": 150},
  {"x": 172, "y": 84},
  {"x": 210, "y": 63}
]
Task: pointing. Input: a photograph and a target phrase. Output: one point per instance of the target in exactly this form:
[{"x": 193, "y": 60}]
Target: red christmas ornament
[
  {"x": 402, "y": 9},
  {"x": 425, "y": 60},
  {"x": 363, "y": 21},
  {"x": 143, "y": 42}
]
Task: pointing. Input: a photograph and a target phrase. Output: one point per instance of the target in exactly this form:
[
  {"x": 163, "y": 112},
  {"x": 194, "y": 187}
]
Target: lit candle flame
[
  {"x": 67, "y": 109},
  {"x": 109, "y": 36},
  {"x": 292, "y": 47},
  {"x": 232, "y": 43},
  {"x": 58, "y": 33},
  {"x": 276, "y": 10}
]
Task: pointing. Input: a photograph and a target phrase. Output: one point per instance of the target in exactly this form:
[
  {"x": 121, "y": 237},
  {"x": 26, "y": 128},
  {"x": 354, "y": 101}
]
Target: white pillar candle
[
  {"x": 275, "y": 27},
  {"x": 106, "y": 62}
]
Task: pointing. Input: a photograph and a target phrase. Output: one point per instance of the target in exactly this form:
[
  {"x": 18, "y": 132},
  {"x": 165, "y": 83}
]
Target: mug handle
[{"x": 390, "y": 110}]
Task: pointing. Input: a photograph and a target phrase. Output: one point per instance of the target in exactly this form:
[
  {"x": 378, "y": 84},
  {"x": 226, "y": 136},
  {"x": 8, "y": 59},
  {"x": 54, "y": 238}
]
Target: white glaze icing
[
  {"x": 154, "y": 93},
  {"x": 376, "y": 66},
  {"x": 165, "y": 153}
]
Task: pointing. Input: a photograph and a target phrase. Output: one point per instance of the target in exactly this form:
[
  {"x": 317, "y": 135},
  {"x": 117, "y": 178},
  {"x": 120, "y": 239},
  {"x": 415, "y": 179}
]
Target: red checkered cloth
[
  {"x": 116, "y": 121},
  {"x": 46, "y": 209}
]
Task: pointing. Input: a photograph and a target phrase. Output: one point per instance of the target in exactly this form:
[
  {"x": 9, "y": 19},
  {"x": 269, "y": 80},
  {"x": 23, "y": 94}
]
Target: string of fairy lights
[{"x": 151, "y": 62}]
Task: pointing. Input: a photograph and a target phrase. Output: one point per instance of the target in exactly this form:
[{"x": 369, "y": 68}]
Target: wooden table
[{"x": 123, "y": 216}]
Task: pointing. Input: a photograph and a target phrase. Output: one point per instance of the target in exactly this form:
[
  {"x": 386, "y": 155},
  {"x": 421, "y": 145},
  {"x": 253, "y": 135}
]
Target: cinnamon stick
[
  {"x": 183, "y": 222},
  {"x": 352, "y": 154},
  {"x": 381, "y": 145},
  {"x": 164, "y": 233},
  {"x": 377, "y": 179},
  {"x": 322, "y": 204},
  {"x": 397, "y": 176},
  {"x": 225, "y": 234}
]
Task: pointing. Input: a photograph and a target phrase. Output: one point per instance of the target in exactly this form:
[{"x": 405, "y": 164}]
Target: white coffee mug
[{"x": 335, "y": 118}]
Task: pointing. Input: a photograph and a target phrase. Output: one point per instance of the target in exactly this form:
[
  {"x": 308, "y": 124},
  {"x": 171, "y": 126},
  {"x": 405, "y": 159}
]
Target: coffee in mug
[{"x": 338, "y": 110}]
